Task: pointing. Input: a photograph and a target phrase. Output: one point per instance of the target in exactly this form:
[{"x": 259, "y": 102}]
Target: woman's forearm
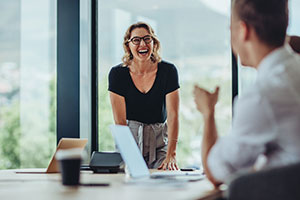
[
  {"x": 118, "y": 108},
  {"x": 120, "y": 121},
  {"x": 172, "y": 100},
  {"x": 173, "y": 126}
]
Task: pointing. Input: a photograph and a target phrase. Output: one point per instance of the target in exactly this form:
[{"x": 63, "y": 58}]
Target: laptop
[
  {"x": 64, "y": 143},
  {"x": 134, "y": 160}
]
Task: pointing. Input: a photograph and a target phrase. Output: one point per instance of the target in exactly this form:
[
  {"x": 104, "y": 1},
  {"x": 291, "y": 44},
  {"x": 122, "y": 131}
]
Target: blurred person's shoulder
[{"x": 281, "y": 83}]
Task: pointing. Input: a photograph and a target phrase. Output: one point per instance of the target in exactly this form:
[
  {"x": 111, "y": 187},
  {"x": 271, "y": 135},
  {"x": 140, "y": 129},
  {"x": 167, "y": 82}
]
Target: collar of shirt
[{"x": 272, "y": 61}]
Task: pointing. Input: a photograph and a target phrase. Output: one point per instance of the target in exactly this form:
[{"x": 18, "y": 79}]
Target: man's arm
[
  {"x": 210, "y": 137},
  {"x": 205, "y": 102},
  {"x": 253, "y": 126}
]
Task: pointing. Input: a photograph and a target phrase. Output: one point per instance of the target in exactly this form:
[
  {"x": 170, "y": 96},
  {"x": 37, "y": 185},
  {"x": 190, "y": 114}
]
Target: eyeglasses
[{"x": 137, "y": 40}]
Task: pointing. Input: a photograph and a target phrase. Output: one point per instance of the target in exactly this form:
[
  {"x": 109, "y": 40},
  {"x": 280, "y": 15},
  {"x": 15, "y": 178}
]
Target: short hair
[
  {"x": 127, "y": 58},
  {"x": 269, "y": 18}
]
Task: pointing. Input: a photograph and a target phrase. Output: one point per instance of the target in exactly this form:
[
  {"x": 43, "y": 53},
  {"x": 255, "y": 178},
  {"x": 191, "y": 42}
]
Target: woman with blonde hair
[{"x": 144, "y": 94}]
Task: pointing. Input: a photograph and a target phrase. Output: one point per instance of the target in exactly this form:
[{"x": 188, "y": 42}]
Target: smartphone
[
  {"x": 95, "y": 184},
  {"x": 187, "y": 169}
]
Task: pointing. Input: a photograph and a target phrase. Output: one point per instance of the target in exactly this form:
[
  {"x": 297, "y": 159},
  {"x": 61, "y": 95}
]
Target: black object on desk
[
  {"x": 187, "y": 169},
  {"x": 85, "y": 167},
  {"x": 95, "y": 184},
  {"x": 106, "y": 162}
]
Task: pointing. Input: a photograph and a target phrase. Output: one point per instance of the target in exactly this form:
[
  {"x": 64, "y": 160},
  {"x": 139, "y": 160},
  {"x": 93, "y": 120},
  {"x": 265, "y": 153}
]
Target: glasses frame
[{"x": 141, "y": 38}]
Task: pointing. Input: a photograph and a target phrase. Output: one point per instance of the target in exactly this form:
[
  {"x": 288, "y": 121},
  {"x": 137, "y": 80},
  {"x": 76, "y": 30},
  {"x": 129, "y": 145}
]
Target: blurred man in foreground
[{"x": 266, "y": 118}]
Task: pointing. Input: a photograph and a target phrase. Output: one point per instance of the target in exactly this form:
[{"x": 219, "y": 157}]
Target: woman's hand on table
[{"x": 169, "y": 163}]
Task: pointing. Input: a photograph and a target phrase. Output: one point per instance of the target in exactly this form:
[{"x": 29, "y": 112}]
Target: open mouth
[{"x": 143, "y": 52}]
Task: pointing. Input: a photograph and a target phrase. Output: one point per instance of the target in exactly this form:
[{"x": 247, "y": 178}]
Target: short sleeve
[
  {"x": 172, "y": 80},
  {"x": 116, "y": 81}
]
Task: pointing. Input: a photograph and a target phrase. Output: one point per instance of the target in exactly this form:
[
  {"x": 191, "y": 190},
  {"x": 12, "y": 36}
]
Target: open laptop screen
[{"x": 130, "y": 151}]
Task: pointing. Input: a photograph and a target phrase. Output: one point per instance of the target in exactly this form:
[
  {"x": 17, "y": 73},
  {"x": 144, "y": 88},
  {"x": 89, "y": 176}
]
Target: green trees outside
[
  {"x": 9, "y": 137},
  {"x": 105, "y": 116},
  {"x": 27, "y": 147}
]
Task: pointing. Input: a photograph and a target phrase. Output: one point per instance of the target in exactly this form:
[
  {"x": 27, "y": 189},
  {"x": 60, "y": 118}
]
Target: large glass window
[
  {"x": 27, "y": 83},
  {"x": 294, "y": 23},
  {"x": 247, "y": 75},
  {"x": 195, "y": 37}
]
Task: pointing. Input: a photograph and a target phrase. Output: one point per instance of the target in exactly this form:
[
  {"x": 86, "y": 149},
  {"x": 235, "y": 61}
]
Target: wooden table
[{"x": 48, "y": 186}]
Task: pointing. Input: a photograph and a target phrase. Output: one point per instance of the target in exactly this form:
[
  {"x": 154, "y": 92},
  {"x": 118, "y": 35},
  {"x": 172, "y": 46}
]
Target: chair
[{"x": 281, "y": 183}]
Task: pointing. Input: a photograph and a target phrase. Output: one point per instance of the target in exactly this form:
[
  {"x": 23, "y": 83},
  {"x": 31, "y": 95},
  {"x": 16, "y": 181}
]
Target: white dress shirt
[{"x": 266, "y": 119}]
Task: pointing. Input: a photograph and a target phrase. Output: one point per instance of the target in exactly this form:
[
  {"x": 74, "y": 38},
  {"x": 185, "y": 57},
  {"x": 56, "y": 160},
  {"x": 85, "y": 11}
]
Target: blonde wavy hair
[{"x": 128, "y": 57}]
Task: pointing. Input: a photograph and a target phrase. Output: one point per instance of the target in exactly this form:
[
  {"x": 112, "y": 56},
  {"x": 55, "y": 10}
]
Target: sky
[{"x": 220, "y": 6}]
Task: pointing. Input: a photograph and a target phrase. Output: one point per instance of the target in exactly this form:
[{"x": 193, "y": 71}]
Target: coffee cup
[{"x": 69, "y": 164}]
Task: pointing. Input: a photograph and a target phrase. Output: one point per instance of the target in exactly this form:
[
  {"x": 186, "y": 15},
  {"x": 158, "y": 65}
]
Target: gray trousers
[{"x": 152, "y": 140}]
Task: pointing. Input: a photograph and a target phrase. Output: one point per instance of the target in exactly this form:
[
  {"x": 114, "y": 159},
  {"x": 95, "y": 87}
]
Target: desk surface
[{"x": 48, "y": 186}]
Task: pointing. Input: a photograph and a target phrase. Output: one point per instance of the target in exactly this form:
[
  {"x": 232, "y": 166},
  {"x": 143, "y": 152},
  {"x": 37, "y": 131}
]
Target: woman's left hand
[{"x": 169, "y": 163}]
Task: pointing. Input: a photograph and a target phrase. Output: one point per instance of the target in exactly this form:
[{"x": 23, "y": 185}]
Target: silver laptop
[{"x": 134, "y": 160}]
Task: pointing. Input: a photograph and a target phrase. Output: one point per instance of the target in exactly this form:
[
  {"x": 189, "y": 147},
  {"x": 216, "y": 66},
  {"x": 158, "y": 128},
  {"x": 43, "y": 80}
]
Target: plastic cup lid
[{"x": 69, "y": 153}]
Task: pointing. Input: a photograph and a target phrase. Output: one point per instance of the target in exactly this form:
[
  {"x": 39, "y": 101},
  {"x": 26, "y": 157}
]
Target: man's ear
[{"x": 244, "y": 31}]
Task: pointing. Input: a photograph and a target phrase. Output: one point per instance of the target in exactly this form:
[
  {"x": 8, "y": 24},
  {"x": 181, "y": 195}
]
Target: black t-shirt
[{"x": 147, "y": 107}]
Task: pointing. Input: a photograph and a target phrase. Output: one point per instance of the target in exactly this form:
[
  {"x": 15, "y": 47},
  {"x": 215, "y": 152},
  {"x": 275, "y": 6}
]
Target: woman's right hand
[{"x": 169, "y": 163}]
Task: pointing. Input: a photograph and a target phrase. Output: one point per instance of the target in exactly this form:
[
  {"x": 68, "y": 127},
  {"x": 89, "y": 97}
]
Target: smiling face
[{"x": 142, "y": 51}]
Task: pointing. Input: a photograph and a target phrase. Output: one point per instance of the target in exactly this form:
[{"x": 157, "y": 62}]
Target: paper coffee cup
[{"x": 69, "y": 163}]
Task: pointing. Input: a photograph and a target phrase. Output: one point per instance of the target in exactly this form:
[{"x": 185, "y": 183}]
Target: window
[
  {"x": 27, "y": 83},
  {"x": 294, "y": 24},
  {"x": 195, "y": 37}
]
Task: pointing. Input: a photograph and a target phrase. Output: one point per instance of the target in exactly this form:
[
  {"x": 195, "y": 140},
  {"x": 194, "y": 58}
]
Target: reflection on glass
[
  {"x": 195, "y": 37},
  {"x": 27, "y": 83}
]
